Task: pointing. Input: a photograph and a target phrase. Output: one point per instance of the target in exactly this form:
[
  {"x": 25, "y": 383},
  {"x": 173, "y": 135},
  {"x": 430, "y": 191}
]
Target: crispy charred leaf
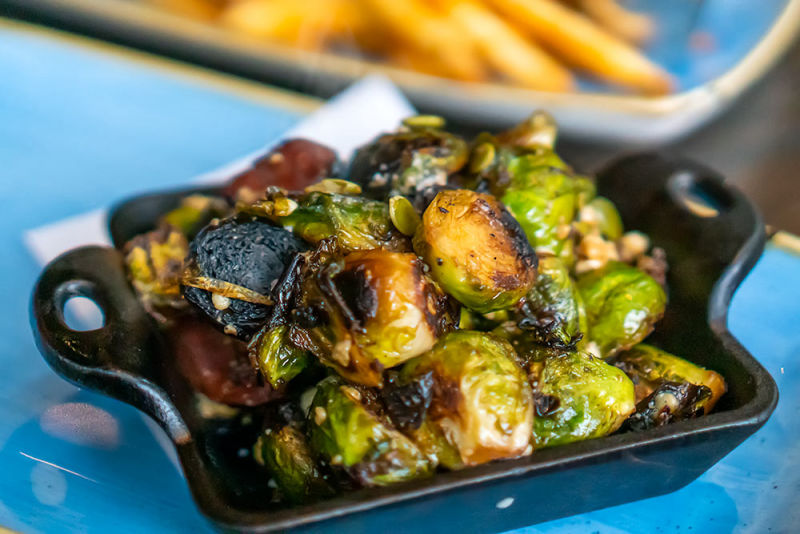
[
  {"x": 356, "y": 223},
  {"x": 670, "y": 401},
  {"x": 155, "y": 261},
  {"x": 216, "y": 365},
  {"x": 525, "y": 342},
  {"x": 196, "y": 211},
  {"x": 553, "y": 310},
  {"x": 250, "y": 254},
  {"x": 293, "y": 165},
  {"x": 649, "y": 366},
  {"x": 406, "y": 403},
  {"x": 481, "y": 398},
  {"x": 476, "y": 250},
  {"x": 577, "y": 397},
  {"x": 408, "y": 163},
  {"x": 290, "y": 461},
  {"x": 622, "y": 305},
  {"x": 276, "y": 357},
  {"x": 381, "y": 310},
  {"x": 346, "y": 433}
]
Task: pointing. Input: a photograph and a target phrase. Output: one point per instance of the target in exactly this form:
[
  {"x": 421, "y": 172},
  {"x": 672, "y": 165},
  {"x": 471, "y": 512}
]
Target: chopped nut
[
  {"x": 351, "y": 393},
  {"x": 320, "y": 415},
  {"x": 632, "y": 245},
  {"x": 341, "y": 352},
  {"x": 230, "y": 330},
  {"x": 220, "y": 302}
]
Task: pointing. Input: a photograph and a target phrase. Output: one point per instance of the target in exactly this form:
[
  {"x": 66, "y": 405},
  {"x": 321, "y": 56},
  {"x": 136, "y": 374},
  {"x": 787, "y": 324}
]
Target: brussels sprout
[
  {"x": 347, "y": 433},
  {"x": 231, "y": 269},
  {"x": 155, "y": 262},
  {"x": 544, "y": 200},
  {"x": 290, "y": 461},
  {"x": 669, "y": 401},
  {"x": 356, "y": 223},
  {"x": 433, "y": 443},
  {"x": 196, "y": 211},
  {"x": 382, "y": 310},
  {"x": 553, "y": 310},
  {"x": 408, "y": 162},
  {"x": 622, "y": 305},
  {"x": 577, "y": 397},
  {"x": 286, "y": 454},
  {"x": 539, "y": 130},
  {"x": 276, "y": 357},
  {"x": 650, "y": 367},
  {"x": 476, "y": 250},
  {"x": 481, "y": 398}
]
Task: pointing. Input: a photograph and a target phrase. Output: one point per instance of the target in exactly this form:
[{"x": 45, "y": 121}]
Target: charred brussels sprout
[
  {"x": 553, "y": 310},
  {"x": 155, "y": 262},
  {"x": 347, "y": 433},
  {"x": 622, "y": 305},
  {"x": 356, "y": 223},
  {"x": 408, "y": 163},
  {"x": 232, "y": 267},
  {"x": 382, "y": 311},
  {"x": 481, "y": 398},
  {"x": 276, "y": 357},
  {"x": 577, "y": 397},
  {"x": 290, "y": 461},
  {"x": 662, "y": 383},
  {"x": 476, "y": 250}
]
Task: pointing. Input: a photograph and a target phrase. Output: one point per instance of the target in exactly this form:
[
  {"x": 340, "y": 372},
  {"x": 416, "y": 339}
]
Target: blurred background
[{"x": 689, "y": 76}]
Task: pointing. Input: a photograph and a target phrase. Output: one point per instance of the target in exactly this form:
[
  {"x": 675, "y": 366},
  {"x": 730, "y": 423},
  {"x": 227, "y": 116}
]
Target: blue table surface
[{"x": 80, "y": 128}]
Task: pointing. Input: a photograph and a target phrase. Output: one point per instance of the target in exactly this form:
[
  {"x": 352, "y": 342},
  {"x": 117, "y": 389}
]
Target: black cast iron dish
[{"x": 712, "y": 236}]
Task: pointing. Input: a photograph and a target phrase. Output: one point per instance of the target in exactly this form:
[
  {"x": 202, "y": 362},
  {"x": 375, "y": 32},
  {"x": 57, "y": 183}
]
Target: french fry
[
  {"x": 414, "y": 24},
  {"x": 506, "y": 50},
  {"x": 582, "y": 43},
  {"x": 196, "y": 9},
  {"x": 633, "y": 27}
]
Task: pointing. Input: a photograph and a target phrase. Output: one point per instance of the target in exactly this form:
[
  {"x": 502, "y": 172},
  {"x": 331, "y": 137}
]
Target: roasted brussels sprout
[
  {"x": 155, "y": 261},
  {"x": 544, "y": 199},
  {"x": 600, "y": 215},
  {"x": 481, "y": 398},
  {"x": 661, "y": 381},
  {"x": 622, "y": 305},
  {"x": 346, "y": 432},
  {"x": 408, "y": 162},
  {"x": 476, "y": 250},
  {"x": 553, "y": 310},
  {"x": 276, "y": 357},
  {"x": 196, "y": 211},
  {"x": 356, "y": 223},
  {"x": 293, "y": 165},
  {"x": 231, "y": 269},
  {"x": 577, "y": 397},
  {"x": 290, "y": 461},
  {"x": 382, "y": 310}
]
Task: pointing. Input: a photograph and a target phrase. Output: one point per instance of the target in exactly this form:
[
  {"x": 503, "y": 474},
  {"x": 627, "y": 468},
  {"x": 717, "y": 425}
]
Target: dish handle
[{"x": 116, "y": 358}]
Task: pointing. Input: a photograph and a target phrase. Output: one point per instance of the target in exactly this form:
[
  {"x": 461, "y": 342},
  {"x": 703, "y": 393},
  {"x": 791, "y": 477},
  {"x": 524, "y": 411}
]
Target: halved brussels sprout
[
  {"x": 347, "y": 433},
  {"x": 408, "y": 162},
  {"x": 622, "y": 305},
  {"x": 476, "y": 250},
  {"x": 660, "y": 379},
  {"x": 600, "y": 215},
  {"x": 155, "y": 262},
  {"x": 276, "y": 357},
  {"x": 553, "y": 310},
  {"x": 481, "y": 398},
  {"x": 577, "y": 397},
  {"x": 382, "y": 310},
  {"x": 356, "y": 223},
  {"x": 290, "y": 461}
]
